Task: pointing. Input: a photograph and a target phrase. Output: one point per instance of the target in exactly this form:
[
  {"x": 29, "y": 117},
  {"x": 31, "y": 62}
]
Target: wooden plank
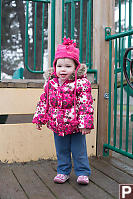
[
  {"x": 104, "y": 182},
  {"x": 32, "y": 185},
  {"x": 92, "y": 137},
  {"x": 94, "y": 189},
  {"x": 121, "y": 165},
  {"x": 112, "y": 172},
  {"x": 24, "y": 137},
  {"x": 101, "y": 62},
  {"x": 18, "y": 142},
  {"x": 9, "y": 187},
  {"x": 123, "y": 159},
  {"x": 64, "y": 191},
  {"x": 19, "y": 100},
  {"x": 16, "y": 118}
]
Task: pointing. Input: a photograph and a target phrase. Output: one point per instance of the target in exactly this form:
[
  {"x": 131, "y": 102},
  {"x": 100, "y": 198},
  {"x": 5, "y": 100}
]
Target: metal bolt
[
  {"x": 106, "y": 95},
  {"x": 107, "y": 30},
  {"x": 106, "y": 150}
]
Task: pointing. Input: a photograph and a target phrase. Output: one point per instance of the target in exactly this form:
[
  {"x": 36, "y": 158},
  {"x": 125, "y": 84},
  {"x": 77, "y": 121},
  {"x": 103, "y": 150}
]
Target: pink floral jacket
[{"x": 59, "y": 115}]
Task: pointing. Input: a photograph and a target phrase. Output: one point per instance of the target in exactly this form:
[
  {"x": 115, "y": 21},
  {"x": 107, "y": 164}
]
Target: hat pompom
[{"x": 68, "y": 41}]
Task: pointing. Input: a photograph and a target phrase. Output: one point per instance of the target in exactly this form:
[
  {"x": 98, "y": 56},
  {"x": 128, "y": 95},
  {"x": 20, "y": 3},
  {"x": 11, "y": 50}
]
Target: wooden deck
[{"x": 34, "y": 180}]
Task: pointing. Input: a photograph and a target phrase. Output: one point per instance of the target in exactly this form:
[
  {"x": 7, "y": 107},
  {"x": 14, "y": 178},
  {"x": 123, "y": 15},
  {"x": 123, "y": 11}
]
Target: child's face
[{"x": 64, "y": 68}]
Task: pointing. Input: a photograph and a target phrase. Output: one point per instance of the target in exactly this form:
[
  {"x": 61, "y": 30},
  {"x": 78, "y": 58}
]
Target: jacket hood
[{"x": 82, "y": 71}]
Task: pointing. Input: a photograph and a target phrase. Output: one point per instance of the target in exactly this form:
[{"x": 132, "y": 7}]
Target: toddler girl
[{"x": 66, "y": 107}]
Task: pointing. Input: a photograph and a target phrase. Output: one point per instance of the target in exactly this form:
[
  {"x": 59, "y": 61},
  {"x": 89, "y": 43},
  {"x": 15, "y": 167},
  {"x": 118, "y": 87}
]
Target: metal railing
[
  {"x": 65, "y": 6},
  {"x": 122, "y": 139},
  {"x": 33, "y": 69},
  {"x": 70, "y": 7},
  {"x": 35, "y": 30}
]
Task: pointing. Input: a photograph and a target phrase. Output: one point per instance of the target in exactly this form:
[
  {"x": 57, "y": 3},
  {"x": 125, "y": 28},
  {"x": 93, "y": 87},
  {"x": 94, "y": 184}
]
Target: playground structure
[{"x": 104, "y": 54}]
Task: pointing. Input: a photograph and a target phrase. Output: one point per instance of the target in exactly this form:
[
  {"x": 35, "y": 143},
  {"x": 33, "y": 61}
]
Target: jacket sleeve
[
  {"x": 40, "y": 112},
  {"x": 84, "y": 104}
]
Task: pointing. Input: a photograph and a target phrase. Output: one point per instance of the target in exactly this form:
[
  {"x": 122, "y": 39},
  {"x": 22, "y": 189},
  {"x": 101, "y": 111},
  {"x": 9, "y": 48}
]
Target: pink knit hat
[{"x": 67, "y": 50}]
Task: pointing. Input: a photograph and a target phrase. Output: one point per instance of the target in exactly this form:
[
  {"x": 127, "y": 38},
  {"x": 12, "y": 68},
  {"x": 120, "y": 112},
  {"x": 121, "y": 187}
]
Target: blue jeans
[{"x": 75, "y": 144}]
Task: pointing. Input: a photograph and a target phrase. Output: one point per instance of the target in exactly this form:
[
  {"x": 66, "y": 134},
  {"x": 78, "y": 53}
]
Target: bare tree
[
  {"x": 21, "y": 19},
  {"x": 13, "y": 36}
]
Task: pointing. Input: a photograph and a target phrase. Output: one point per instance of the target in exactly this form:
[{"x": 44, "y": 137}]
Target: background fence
[
  {"x": 35, "y": 30},
  {"x": 27, "y": 31},
  {"x": 77, "y": 23}
]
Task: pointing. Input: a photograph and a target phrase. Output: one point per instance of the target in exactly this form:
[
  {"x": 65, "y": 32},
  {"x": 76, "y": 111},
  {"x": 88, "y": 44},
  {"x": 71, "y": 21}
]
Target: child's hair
[{"x": 76, "y": 64}]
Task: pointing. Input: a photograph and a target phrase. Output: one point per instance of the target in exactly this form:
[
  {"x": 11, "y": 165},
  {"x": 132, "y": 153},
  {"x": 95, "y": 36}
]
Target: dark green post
[
  {"x": 52, "y": 30},
  {"x": 72, "y": 18},
  {"x": 62, "y": 19},
  {"x": 0, "y": 40},
  {"x": 81, "y": 29}
]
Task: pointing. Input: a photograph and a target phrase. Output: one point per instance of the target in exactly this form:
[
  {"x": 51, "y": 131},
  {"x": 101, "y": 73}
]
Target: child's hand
[
  {"x": 39, "y": 126},
  {"x": 85, "y": 131}
]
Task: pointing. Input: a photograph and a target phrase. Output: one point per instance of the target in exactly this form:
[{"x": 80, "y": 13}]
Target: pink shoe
[
  {"x": 83, "y": 180},
  {"x": 61, "y": 178}
]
